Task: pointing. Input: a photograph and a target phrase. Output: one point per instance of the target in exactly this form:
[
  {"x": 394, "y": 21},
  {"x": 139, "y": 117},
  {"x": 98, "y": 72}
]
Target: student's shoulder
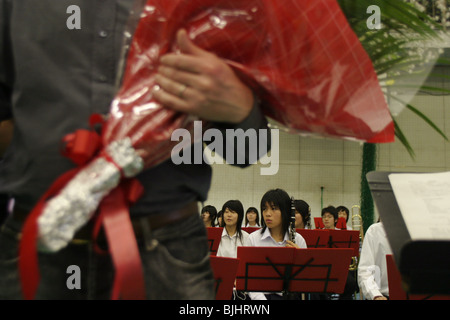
[{"x": 254, "y": 235}]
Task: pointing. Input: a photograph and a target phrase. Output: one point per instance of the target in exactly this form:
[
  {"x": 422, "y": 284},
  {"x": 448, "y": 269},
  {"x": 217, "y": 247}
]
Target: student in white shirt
[
  {"x": 252, "y": 218},
  {"x": 372, "y": 270},
  {"x": 276, "y": 212},
  {"x": 232, "y": 235}
]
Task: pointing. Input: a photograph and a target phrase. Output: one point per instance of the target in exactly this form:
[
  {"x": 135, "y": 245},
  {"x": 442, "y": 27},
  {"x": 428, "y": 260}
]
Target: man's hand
[{"x": 198, "y": 82}]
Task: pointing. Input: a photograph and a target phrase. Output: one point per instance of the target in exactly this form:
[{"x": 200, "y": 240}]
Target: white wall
[{"x": 307, "y": 164}]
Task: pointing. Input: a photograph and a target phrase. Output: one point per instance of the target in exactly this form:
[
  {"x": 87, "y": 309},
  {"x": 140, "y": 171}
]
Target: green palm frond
[
  {"x": 402, "y": 138},
  {"x": 423, "y": 116},
  {"x": 390, "y": 48}
]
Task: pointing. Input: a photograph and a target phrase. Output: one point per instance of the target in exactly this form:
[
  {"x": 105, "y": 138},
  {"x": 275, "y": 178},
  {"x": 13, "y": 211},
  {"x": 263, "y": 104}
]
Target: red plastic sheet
[{"x": 300, "y": 57}]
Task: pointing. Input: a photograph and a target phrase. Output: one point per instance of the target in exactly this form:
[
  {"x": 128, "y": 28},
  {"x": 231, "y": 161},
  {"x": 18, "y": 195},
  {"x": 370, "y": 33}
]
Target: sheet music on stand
[
  {"x": 415, "y": 210},
  {"x": 424, "y": 200}
]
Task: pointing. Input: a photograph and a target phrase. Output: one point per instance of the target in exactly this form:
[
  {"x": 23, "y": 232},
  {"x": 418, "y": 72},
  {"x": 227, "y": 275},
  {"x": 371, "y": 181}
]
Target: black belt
[{"x": 140, "y": 224}]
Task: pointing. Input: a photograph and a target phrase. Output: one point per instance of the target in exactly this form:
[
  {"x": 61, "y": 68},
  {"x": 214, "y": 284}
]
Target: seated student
[
  {"x": 276, "y": 213},
  {"x": 252, "y": 218},
  {"x": 343, "y": 212},
  {"x": 220, "y": 219},
  {"x": 209, "y": 214},
  {"x": 302, "y": 214},
  {"x": 329, "y": 217},
  {"x": 232, "y": 235},
  {"x": 372, "y": 270}
]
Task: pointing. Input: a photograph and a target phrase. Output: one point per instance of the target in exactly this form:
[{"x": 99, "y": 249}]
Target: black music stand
[
  {"x": 214, "y": 236},
  {"x": 396, "y": 291},
  {"x": 315, "y": 238},
  {"x": 344, "y": 239},
  {"x": 225, "y": 270},
  {"x": 291, "y": 270},
  {"x": 423, "y": 264}
]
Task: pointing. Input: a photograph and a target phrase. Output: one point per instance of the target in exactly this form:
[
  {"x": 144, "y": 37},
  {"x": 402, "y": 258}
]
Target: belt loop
[{"x": 150, "y": 242}]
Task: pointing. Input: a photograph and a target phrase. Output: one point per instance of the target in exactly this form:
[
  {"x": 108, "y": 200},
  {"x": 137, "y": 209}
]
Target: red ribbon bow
[{"x": 113, "y": 214}]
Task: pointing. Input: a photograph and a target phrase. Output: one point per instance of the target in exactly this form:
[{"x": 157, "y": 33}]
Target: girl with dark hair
[
  {"x": 232, "y": 235},
  {"x": 302, "y": 214},
  {"x": 209, "y": 214},
  {"x": 276, "y": 213},
  {"x": 220, "y": 219},
  {"x": 343, "y": 212},
  {"x": 252, "y": 218}
]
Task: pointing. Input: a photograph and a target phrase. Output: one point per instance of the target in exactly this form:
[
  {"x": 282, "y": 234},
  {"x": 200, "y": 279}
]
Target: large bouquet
[{"x": 300, "y": 58}]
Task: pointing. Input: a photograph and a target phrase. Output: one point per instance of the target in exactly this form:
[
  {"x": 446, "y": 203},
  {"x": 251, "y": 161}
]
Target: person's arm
[
  {"x": 301, "y": 241},
  {"x": 367, "y": 270},
  {"x": 257, "y": 296}
]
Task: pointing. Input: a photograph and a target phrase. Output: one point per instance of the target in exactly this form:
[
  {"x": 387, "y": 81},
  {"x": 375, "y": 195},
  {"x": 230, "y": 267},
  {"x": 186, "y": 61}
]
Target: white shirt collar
[
  {"x": 266, "y": 234},
  {"x": 225, "y": 233}
]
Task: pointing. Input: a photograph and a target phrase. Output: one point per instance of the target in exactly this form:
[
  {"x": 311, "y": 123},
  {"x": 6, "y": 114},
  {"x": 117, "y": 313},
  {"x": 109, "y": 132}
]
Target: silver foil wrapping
[{"x": 74, "y": 206}]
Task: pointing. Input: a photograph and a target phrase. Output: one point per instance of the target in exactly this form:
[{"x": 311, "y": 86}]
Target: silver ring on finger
[{"x": 182, "y": 90}]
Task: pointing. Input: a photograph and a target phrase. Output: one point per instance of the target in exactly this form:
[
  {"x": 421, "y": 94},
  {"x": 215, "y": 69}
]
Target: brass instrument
[
  {"x": 292, "y": 224},
  {"x": 357, "y": 224},
  {"x": 357, "y": 221}
]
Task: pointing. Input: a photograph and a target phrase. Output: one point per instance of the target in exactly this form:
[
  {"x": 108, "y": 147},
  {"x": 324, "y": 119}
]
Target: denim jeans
[{"x": 176, "y": 266}]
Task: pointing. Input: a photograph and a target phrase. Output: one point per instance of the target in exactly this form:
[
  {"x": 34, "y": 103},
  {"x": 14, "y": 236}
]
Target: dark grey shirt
[{"x": 53, "y": 78}]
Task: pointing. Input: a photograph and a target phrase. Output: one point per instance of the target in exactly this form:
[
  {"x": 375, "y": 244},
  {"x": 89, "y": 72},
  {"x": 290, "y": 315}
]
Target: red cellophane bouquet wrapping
[{"x": 300, "y": 58}]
